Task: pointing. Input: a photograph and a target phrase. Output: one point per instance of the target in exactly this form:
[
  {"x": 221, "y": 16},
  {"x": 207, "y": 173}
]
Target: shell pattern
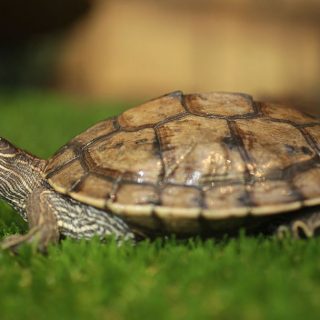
[{"x": 180, "y": 158}]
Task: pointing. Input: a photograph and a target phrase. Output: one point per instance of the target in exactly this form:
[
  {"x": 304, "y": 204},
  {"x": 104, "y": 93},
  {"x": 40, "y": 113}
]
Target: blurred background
[{"x": 138, "y": 49}]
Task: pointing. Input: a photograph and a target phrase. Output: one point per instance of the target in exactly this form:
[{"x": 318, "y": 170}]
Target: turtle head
[
  {"x": 20, "y": 172},
  {"x": 7, "y": 149}
]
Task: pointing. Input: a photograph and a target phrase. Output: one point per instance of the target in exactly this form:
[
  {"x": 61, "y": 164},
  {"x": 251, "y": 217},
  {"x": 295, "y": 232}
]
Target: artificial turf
[{"x": 240, "y": 278}]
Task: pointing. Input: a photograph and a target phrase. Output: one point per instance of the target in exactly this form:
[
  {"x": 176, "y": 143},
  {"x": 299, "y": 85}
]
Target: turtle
[{"x": 182, "y": 164}]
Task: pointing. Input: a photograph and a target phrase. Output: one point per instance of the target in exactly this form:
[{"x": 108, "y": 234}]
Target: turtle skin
[{"x": 179, "y": 160}]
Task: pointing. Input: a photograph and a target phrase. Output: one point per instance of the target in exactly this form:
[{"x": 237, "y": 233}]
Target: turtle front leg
[
  {"x": 303, "y": 225},
  {"x": 42, "y": 223}
]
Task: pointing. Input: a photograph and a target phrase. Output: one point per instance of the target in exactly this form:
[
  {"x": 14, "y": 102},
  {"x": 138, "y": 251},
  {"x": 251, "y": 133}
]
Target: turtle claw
[
  {"x": 282, "y": 232},
  {"x": 306, "y": 226},
  {"x": 13, "y": 243},
  {"x": 34, "y": 238}
]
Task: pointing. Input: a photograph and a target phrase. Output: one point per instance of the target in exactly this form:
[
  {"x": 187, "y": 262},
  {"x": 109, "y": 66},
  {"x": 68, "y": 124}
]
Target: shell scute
[
  {"x": 97, "y": 131},
  {"x": 308, "y": 183},
  {"x": 271, "y": 192},
  {"x": 64, "y": 180},
  {"x": 133, "y": 154},
  {"x": 94, "y": 188},
  {"x": 273, "y": 146},
  {"x": 135, "y": 194},
  {"x": 194, "y": 152},
  {"x": 226, "y": 197},
  {"x": 180, "y": 196},
  {"x": 284, "y": 112},
  {"x": 152, "y": 112},
  {"x": 220, "y": 104},
  {"x": 60, "y": 159},
  {"x": 314, "y": 132}
]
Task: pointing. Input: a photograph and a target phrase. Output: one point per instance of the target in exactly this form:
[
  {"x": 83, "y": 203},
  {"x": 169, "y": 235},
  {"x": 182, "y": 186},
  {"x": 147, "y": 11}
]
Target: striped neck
[{"x": 20, "y": 174}]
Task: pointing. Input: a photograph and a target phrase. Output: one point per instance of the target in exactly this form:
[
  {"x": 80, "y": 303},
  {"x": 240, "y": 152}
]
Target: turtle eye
[
  {"x": 6, "y": 148},
  {"x": 3, "y": 143}
]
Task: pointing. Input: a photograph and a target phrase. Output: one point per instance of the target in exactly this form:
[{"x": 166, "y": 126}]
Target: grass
[{"x": 243, "y": 278}]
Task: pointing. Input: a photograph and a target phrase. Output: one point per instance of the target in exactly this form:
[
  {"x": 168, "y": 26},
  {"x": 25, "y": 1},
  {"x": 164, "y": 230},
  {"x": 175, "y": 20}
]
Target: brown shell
[{"x": 180, "y": 159}]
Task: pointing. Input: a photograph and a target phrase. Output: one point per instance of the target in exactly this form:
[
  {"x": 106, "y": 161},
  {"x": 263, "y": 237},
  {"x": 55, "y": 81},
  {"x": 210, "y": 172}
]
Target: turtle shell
[{"x": 180, "y": 159}]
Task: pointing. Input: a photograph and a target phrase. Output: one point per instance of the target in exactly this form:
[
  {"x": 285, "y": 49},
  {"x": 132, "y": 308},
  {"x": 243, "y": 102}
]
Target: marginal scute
[
  {"x": 132, "y": 154},
  {"x": 137, "y": 194},
  {"x": 219, "y": 104},
  {"x": 63, "y": 156},
  {"x": 178, "y": 220},
  {"x": 181, "y": 197},
  {"x": 100, "y": 129},
  {"x": 64, "y": 180},
  {"x": 95, "y": 188},
  {"x": 152, "y": 112},
  {"x": 226, "y": 197},
  {"x": 172, "y": 223},
  {"x": 271, "y": 192},
  {"x": 285, "y": 112},
  {"x": 308, "y": 183}
]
